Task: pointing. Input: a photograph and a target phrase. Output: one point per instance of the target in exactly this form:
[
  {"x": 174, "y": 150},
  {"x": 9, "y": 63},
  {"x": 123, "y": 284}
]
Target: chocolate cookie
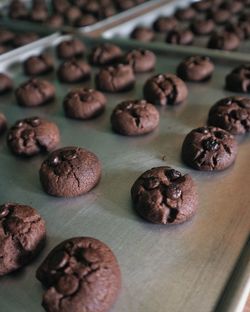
[
  {"x": 6, "y": 84},
  {"x": 39, "y": 13},
  {"x": 72, "y": 15},
  {"x": 163, "y": 195},
  {"x": 55, "y": 21},
  {"x": 69, "y": 172},
  {"x": 60, "y": 6},
  {"x": 209, "y": 149},
  {"x": 165, "y": 89},
  {"x": 195, "y": 68},
  {"x": 23, "y": 39},
  {"x": 86, "y": 20},
  {"x": 231, "y": 114},
  {"x": 105, "y": 54},
  {"x": 143, "y": 33},
  {"x": 30, "y": 136},
  {"x": 233, "y": 6},
  {"x": 141, "y": 60},
  {"x": 38, "y": 65},
  {"x": 164, "y": 24},
  {"x": 185, "y": 14},
  {"x": 6, "y": 36},
  {"x": 219, "y": 16},
  {"x": 202, "y": 6},
  {"x": 115, "y": 78},
  {"x": 22, "y": 236},
  {"x": 241, "y": 29},
  {"x": 35, "y": 92},
  {"x": 70, "y": 48},
  {"x": 239, "y": 79},
  {"x": 180, "y": 36},
  {"x": 134, "y": 118},
  {"x": 72, "y": 71},
  {"x": 84, "y": 104},
  {"x": 3, "y": 123},
  {"x": 80, "y": 274},
  {"x": 202, "y": 27},
  {"x": 224, "y": 40}
]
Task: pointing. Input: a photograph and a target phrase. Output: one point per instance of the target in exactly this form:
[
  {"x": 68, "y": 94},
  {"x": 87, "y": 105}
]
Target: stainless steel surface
[
  {"x": 120, "y": 16},
  {"x": 164, "y": 268},
  {"x": 123, "y": 30}
]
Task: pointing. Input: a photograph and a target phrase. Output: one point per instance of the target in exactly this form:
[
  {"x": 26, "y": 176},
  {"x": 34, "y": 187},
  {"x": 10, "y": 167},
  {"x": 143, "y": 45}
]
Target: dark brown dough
[
  {"x": 163, "y": 195},
  {"x": 22, "y": 236},
  {"x": 72, "y": 71},
  {"x": 70, "y": 172},
  {"x": 209, "y": 149},
  {"x": 34, "y": 92},
  {"x": 134, "y": 118},
  {"x": 38, "y": 65},
  {"x": 141, "y": 60},
  {"x": 239, "y": 79},
  {"x": 82, "y": 275},
  {"x": 231, "y": 114},
  {"x": 33, "y": 135},
  {"x": 115, "y": 78},
  {"x": 195, "y": 68},
  {"x": 105, "y": 54},
  {"x": 84, "y": 104},
  {"x": 165, "y": 89},
  {"x": 70, "y": 48}
]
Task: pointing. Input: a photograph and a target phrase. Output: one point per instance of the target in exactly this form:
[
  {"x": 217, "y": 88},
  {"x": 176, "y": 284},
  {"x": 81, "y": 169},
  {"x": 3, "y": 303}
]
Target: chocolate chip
[
  {"x": 54, "y": 161},
  {"x": 59, "y": 260},
  {"x": 67, "y": 285},
  {"x": 173, "y": 174},
  {"x": 4, "y": 211},
  {"x": 35, "y": 121},
  {"x": 69, "y": 155},
  {"x": 19, "y": 124},
  {"x": 210, "y": 145}
]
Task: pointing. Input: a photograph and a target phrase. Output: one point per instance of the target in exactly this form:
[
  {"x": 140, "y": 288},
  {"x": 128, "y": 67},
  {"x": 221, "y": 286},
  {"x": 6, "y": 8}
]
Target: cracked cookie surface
[
  {"x": 72, "y": 71},
  {"x": 69, "y": 172},
  {"x": 239, "y": 79},
  {"x": 163, "y": 195},
  {"x": 35, "y": 92},
  {"x": 22, "y": 236},
  {"x": 105, "y": 54},
  {"x": 134, "y": 118},
  {"x": 6, "y": 83},
  {"x": 33, "y": 135},
  {"x": 165, "y": 89},
  {"x": 195, "y": 68},
  {"x": 209, "y": 149},
  {"x": 141, "y": 60},
  {"x": 38, "y": 65},
  {"x": 231, "y": 114},
  {"x": 81, "y": 274},
  {"x": 115, "y": 78},
  {"x": 84, "y": 103},
  {"x": 70, "y": 48}
]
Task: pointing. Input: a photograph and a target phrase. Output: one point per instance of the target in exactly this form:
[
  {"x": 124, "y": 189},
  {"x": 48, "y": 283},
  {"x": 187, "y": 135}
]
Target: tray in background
[
  {"x": 169, "y": 268},
  {"x": 100, "y": 25},
  {"x": 124, "y": 30}
]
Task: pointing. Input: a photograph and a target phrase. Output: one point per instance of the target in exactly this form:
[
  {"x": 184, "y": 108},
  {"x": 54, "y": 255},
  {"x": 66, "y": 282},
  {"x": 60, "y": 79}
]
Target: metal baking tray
[
  {"x": 115, "y": 19},
  {"x": 124, "y": 30},
  {"x": 189, "y": 267}
]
